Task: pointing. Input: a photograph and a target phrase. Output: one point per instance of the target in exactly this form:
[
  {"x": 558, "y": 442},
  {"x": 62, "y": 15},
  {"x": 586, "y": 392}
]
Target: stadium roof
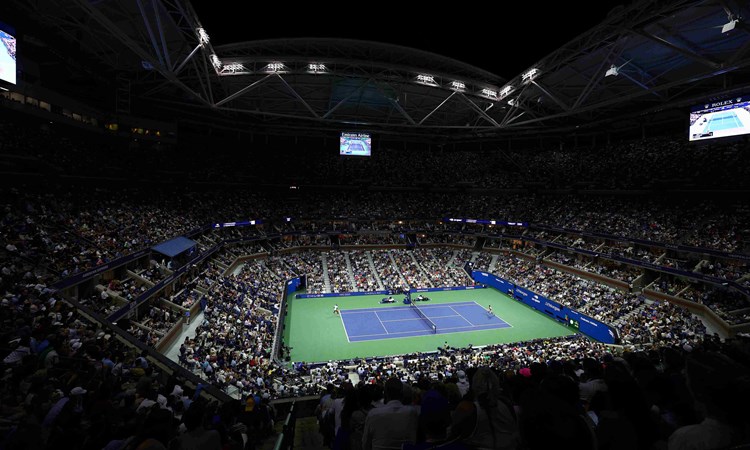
[{"x": 647, "y": 58}]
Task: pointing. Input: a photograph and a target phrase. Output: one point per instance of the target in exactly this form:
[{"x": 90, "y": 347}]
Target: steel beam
[
  {"x": 299, "y": 97},
  {"x": 683, "y": 51},
  {"x": 243, "y": 91},
  {"x": 437, "y": 107}
]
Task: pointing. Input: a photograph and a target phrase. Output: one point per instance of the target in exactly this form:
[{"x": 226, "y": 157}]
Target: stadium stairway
[
  {"x": 493, "y": 263},
  {"x": 421, "y": 268},
  {"x": 374, "y": 270},
  {"x": 623, "y": 319},
  {"x": 453, "y": 258},
  {"x": 396, "y": 268},
  {"x": 326, "y": 279},
  {"x": 349, "y": 271},
  {"x": 270, "y": 272}
]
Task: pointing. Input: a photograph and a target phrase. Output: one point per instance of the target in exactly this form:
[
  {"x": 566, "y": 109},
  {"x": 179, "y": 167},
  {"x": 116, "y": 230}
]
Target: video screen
[
  {"x": 7, "y": 54},
  {"x": 355, "y": 144},
  {"x": 720, "y": 119}
]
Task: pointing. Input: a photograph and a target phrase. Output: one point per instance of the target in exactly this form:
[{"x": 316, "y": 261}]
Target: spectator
[{"x": 393, "y": 424}]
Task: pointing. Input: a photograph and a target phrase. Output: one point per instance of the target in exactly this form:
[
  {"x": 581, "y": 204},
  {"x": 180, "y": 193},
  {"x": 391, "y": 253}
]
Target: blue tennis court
[
  {"x": 404, "y": 321},
  {"x": 355, "y": 147},
  {"x": 723, "y": 122}
]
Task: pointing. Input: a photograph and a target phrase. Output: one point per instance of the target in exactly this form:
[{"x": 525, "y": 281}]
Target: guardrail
[{"x": 286, "y": 438}]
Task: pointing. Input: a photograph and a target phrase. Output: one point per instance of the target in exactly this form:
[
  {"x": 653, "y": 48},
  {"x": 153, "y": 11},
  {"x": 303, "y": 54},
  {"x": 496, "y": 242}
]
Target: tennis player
[
  {"x": 489, "y": 310},
  {"x": 336, "y": 309}
]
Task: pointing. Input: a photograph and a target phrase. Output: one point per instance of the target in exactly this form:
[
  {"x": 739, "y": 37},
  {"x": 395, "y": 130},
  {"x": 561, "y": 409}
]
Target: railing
[{"x": 286, "y": 438}]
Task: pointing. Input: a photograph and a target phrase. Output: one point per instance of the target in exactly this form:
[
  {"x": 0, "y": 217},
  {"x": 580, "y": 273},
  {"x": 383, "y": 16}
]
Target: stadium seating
[{"x": 61, "y": 349}]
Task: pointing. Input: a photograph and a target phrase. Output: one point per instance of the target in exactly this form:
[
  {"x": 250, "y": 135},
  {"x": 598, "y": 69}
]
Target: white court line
[
  {"x": 491, "y": 327},
  {"x": 381, "y": 323},
  {"x": 472, "y": 328},
  {"x": 395, "y": 332},
  {"x": 461, "y": 316},
  {"x": 501, "y": 319},
  {"x": 400, "y": 320},
  {"x": 368, "y": 310},
  {"x": 341, "y": 316},
  {"x": 417, "y": 318},
  {"x": 437, "y": 305}
]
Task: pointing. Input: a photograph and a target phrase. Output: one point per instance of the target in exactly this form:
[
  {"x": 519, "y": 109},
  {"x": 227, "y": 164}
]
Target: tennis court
[
  {"x": 355, "y": 147},
  {"x": 403, "y": 321},
  {"x": 367, "y": 328},
  {"x": 724, "y": 121}
]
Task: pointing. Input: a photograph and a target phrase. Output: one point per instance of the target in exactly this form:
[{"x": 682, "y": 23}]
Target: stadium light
[
  {"x": 489, "y": 93},
  {"x": 530, "y": 75},
  {"x": 215, "y": 61},
  {"x": 614, "y": 70},
  {"x": 233, "y": 68},
  {"x": 426, "y": 79},
  {"x": 458, "y": 85},
  {"x": 729, "y": 26},
  {"x": 275, "y": 67},
  {"x": 505, "y": 91},
  {"x": 316, "y": 67},
  {"x": 203, "y": 38}
]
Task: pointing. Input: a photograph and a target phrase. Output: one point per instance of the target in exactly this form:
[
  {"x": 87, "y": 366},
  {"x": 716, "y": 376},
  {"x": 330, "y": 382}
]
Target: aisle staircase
[
  {"x": 350, "y": 272},
  {"x": 375, "y": 271},
  {"x": 326, "y": 279}
]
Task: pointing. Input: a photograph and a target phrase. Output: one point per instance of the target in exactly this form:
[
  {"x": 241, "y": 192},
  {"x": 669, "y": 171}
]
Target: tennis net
[{"x": 419, "y": 312}]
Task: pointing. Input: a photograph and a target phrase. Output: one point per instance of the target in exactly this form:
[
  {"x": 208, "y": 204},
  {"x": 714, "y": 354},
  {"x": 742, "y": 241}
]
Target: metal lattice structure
[{"x": 648, "y": 57}]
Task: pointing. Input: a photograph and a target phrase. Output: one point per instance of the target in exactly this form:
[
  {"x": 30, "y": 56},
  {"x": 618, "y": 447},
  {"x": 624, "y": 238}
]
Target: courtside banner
[
  {"x": 539, "y": 302},
  {"x": 494, "y": 281},
  {"x": 585, "y": 324},
  {"x": 592, "y": 327}
]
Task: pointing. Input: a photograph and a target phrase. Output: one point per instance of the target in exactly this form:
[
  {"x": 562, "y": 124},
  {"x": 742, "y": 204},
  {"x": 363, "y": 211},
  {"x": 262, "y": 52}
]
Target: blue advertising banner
[
  {"x": 585, "y": 324},
  {"x": 591, "y": 327},
  {"x": 292, "y": 285},
  {"x": 539, "y": 302},
  {"x": 494, "y": 281}
]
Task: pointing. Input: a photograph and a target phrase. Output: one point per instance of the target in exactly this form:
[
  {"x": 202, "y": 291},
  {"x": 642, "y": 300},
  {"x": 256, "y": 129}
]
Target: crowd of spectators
[
  {"x": 445, "y": 238},
  {"x": 338, "y": 271},
  {"x": 607, "y": 268},
  {"x": 410, "y": 269},
  {"x": 506, "y": 396},
  {"x": 365, "y": 279},
  {"x": 70, "y": 383},
  {"x": 71, "y": 234},
  {"x": 389, "y": 274},
  {"x": 370, "y": 239}
]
